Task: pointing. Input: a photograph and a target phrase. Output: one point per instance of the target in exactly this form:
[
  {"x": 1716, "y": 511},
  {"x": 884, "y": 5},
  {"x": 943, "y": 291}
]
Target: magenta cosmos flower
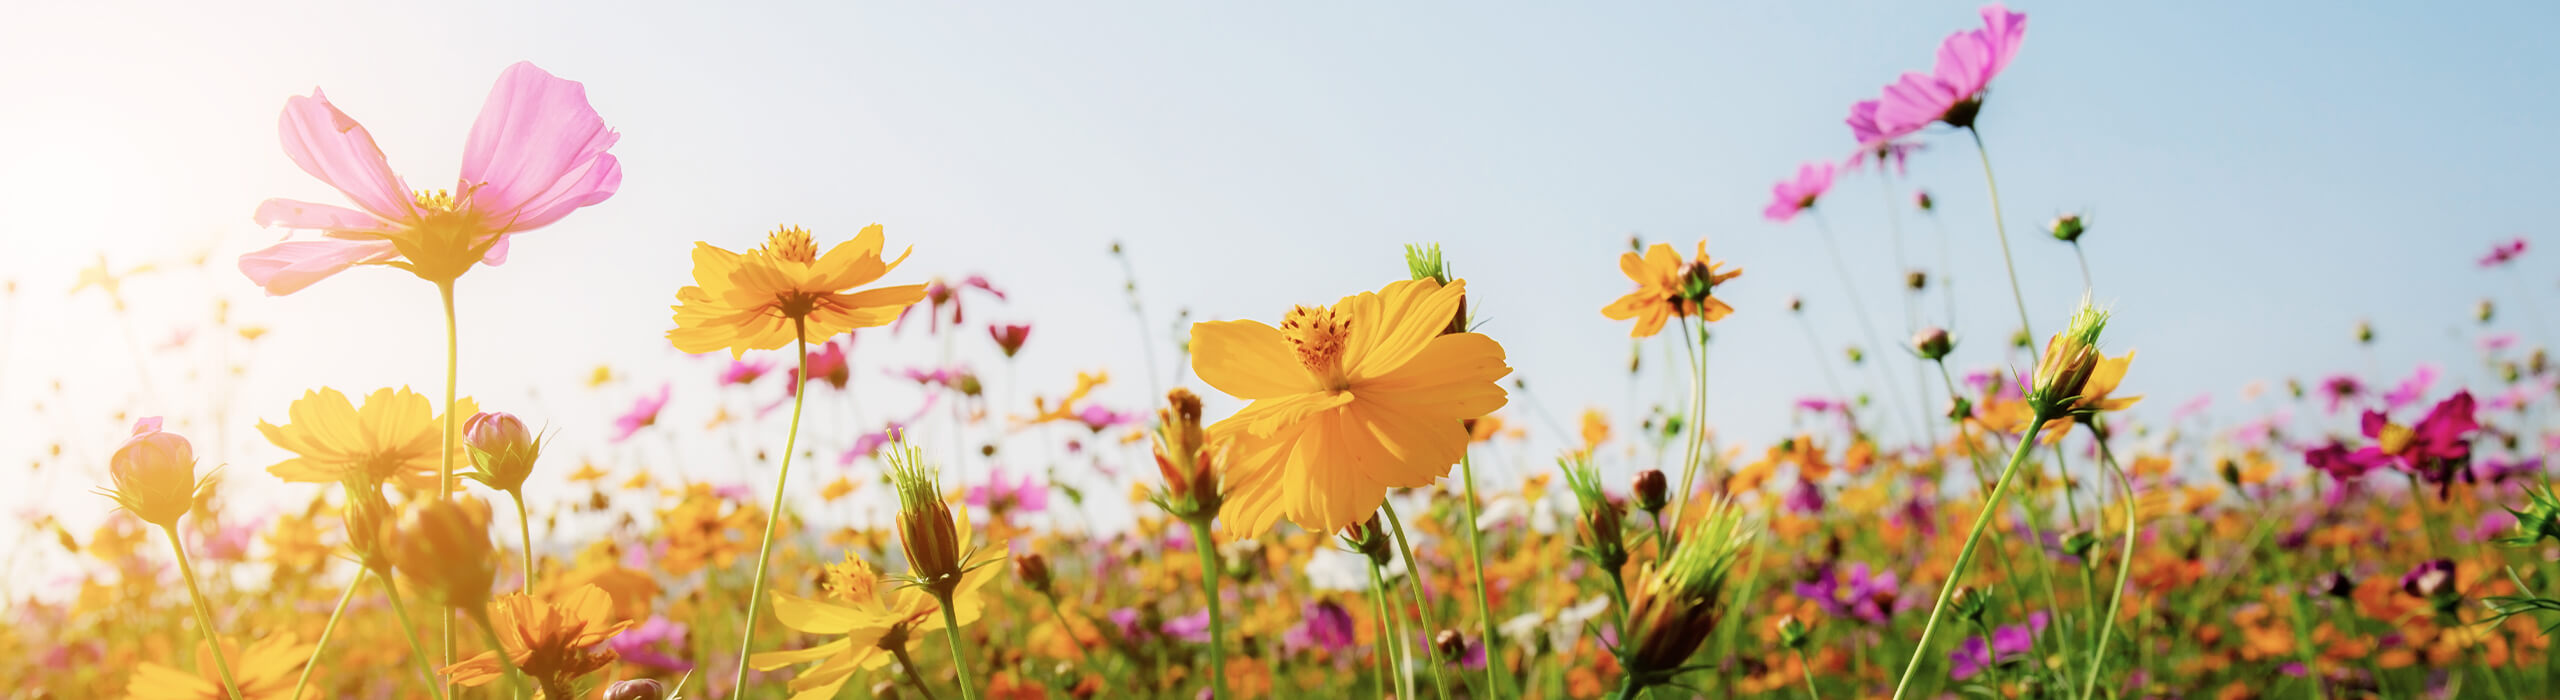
[
  {"x": 643, "y": 413},
  {"x": 1795, "y": 195},
  {"x": 1952, "y": 91},
  {"x": 536, "y": 153},
  {"x": 2503, "y": 253}
]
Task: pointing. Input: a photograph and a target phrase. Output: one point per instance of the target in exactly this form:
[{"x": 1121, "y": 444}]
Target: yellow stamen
[
  {"x": 1318, "y": 334},
  {"x": 2395, "y": 438},
  {"x": 791, "y": 243}
]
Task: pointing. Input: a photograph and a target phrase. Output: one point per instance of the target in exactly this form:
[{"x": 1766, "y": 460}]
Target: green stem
[
  {"x": 1065, "y": 625},
  {"x": 2001, "y": 223},
  {"x": 1495, "y": 677},
  {"x": 1991, "y": 669},
  {"x": 325, "y": 629},
  {"x": 913, "y": 676},
  {"x": 204, "y": 611},
  {"x": 2124, "y": 564},
  {"x": 1389, "y": 641},
  {"x": 1807, "y": 665},
  {"x": 489, "y": 635},
  {"x": 951, "y": 633},
  {"x": 1413, "y": 575},
  {"x": 1982, "y": 521},
  {"x": 409, "y": 631},
  {"x": 1696, "y": 424},
  {"x": 452, "y": 434},
  {"x": 764, "y": 552},
  {"x": 524, "y": 529},
  {"x": 1209, "y": 573}
]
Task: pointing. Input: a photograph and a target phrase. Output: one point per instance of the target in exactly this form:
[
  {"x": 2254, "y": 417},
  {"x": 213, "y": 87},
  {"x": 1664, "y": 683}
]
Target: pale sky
[{"x": 2260, "y": 178}]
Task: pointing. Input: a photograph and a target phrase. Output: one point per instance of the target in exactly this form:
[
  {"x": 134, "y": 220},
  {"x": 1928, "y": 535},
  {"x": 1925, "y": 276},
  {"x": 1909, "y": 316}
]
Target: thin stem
[
  {"x": 452, "y": 434},
  {"x": 1982, "y": 521},
  {"x": 1991, "y": 669},
  {"x": 489, "y": 635},
  {"x": 1202, "y": 542},
  {"x": 1807, "y": 665},
  {"x": 1866, "y": 323},
  {"x": 1494, "y": 675},
  {"x": 909, "y": 663},
  {"x": 2002, "y": 225},
  {"x": 524, "y": 529},
  {"x": 1389, "y": 642},
  {"x": 1696, "y": 424},
  {"x": 951, "y": 633},
  {"x": 2124, "y": 564},
  {"x": 325, "y": 629},
  {"x": 204, "y": 611},
  {"x": 409, "y": 631},
  {"x": 1072, "y": 639},
  {"x": 764, "y": 552},
  {"x": 2086, "y": 285},
  {"x": 1413, "y": 575}
]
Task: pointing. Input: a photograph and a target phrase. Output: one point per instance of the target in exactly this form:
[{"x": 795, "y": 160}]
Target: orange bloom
[
  {"x": 1667, "y": 287},
  {"x": 555, "y": 641},
  {"x": 266, "y": 670},
  {"x": 1347, "y": 402},
  {"x": 393, "y": 439},
  {"x": 751, "y": 300}
]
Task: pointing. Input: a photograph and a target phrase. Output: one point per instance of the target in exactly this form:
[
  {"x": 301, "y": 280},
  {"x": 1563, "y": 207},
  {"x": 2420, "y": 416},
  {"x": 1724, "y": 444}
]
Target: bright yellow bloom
[
  {"x": 2096, "y": 396},
  {"x": 266, "y": 671},
  {"x": 749, "y": 301},
  {"x": 1347, "y": 402},
  {"x": 1666, "y": 286},
  {"x": 555, "y": 641},
  {"x": 1065, "y": 410},
  {"x": 1595, "y": 430},
  {"x": 872, "y": 615},
  {"x": 836, "y": 489},
  {"x": 393, "y": 439}
]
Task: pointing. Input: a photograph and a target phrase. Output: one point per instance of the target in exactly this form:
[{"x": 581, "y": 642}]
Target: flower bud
[
  {"x": 925, "y": 525},
  {"x": 2069, "y": 360},
  {"x": 1792, "y": 633},
  {"x": 2487, "y": 311},
  {"x": 1182, "y": 455},
  {"x": 1933, "y": 343},
  {"x": 1009, "y": 337},
  {"x": 1969, "y": 604},
  {"x": 1959, "y": 408},
  {"x": 1602, "y": 527},
  {"x": 2334, "y": 584},
  {"x": 2364, "y": 332},
  {"x": 154, "y": 474},
  {"x": 1369, "y": 537},
  {"x": 1795, "y": 304},
  {"x": 1674, "y": 608},
  {"x": 2433, "y": 581},
  {"x": 888, "y": 690},
  {"x": 2067, "y": 228},
  {"x": 1653, "y": 491},
  {"x": 369, "y": 518},
  {"x": 502, "y": 448},
  {"x": 1034, "y": 570},
  {"x": 1451, "y": 645},
  {"x": 2079, "y": 543},
  {"x": 637, "y": 689},
  {"x": 1857, "y": 355},
  {"x": 1922, "y": 199},
  {"x": 443, "y": 547},
  {"x": 1917, "y": 280}
]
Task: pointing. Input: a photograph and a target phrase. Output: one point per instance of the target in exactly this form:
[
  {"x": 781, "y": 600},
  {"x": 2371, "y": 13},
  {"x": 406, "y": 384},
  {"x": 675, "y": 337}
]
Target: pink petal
[
  {"x": 333, "y": 147},
  {"x": 1913, "y": 102},
  {"x": 497, "y": 254},
  {"x": 319, "y": 217},
  {"x": 2002, "y": 32},
  {"x": 1963, "y": 64},
  {"x": 537, "y": 151},
  {"x": 148, "y": 424},
  {"x": 287, "y": 267}
]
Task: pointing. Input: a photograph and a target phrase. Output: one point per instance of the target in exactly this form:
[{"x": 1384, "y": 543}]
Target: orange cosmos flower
[
  {"x": 753, "y": 300},
  {"x": 393, "y": 439},
  {"x": 1347, "y": 402},
  {"x": 1667, "y": 287},
  {"x": 266, "y": 670},
  {"x": 555, "y": 641}
]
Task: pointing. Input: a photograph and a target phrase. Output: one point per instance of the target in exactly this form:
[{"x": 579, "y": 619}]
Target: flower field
[{"x": 1338, "y": 498}]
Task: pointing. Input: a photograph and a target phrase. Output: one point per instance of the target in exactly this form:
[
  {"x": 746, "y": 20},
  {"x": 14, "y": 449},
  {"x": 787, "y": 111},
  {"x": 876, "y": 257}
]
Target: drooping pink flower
[
  {"x": 2339, "y": 389},
  {"x": 1797, "y": 194},
  {"x": 1096, "y": 418},
  {"x": 1952, "y": 91},
  {"x": 1025, "y": 496},
  {"x": 1874, "y": 142},
  {"x": 827, "y": 363},
  {"x": 941, "y": 295},
  {"x": 1009, "y": 336},
  {"x": 643, "y": 413},
  {"x": 536, "y": 153},
  {"x": 2503, "y": 253}
]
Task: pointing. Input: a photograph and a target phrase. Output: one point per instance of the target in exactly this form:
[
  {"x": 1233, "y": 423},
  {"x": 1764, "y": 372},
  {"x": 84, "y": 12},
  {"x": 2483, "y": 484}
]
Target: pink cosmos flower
[
  {"x": 828, "y": 363},
  {"x": 1873, "y": 142},
  {"x": 944, "y": 294},
  {"x": 1798, "y": 194},
  {"x": 1097, "y": 419},
  {"x": 2411, "y": 389},
  {"x": 643, "y": 413},
  {"x": 2496, "y": 342},
  {"x": 2503, "y": 253},
  {"x": 1952, "y": 91},
  {"x": 1009, "y": 336},
  {"x": 536, "y": 153},
  {"x": 654, "y": 643},
  {"x": 745, "y": 372},
  {"x": 1026, "y": 496}
]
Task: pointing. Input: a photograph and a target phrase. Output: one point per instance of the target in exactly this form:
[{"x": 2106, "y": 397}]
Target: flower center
[
  {"x": 791, "y": 243},
  {"x": 2395, "y": 438},
  {"x": 1318, "y": 335}
]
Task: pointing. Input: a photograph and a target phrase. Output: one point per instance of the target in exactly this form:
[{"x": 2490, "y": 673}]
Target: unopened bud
[
  {"x": 1917, "y": 280},
  {"x": 2364, "y": 332},
  {"x": 1792, "y": 633},
  {"x": 1034, "y": 570},
  {"x": 1922, "y": 198},
  {"x": 1959, "y": 408},
  {"x": 2433, "y": 580},
  {"x": 1970, "y": 604},
  {"x": 1857, "y": 355},
  {"x": 2334, "y": 584},
  {"x": 154, "y": 474},
  {"x": 1653, "y": 491},
  {"x": 637, "y": 689},
  {"x": 2067, "y": 228},
  {"x": 1933, "y": 343},
  {"x": 502, "y": 449},
  {"x": 2079, "y": 543},
  {"x": 1009, "y": 337},
  {"x": 1451, "y": 645},
  {"x": 2487, "y": 311},
  {"x": 926, "y": 528},
  {"x": 443, "y": 546}
]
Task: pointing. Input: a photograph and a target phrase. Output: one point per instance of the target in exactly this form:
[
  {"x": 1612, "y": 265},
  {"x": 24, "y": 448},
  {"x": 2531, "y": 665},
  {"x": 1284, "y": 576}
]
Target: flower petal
[
  {"x": 537, "y": 151},
  {"x": 287, "y": 267},
  {"x": 1247, "y": 360},
  {"x": 333, "y": 147}
]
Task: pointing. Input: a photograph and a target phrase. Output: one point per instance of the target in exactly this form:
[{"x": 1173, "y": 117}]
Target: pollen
[
  {"x": 1318, "y": 335},
  {"x": 791, "y": 243},
  {"x": 435, "y": 201}
]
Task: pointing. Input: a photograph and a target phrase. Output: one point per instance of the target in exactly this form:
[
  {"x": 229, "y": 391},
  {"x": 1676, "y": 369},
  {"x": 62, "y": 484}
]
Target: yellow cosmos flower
[
  {"x": 2097, "y": 396},
  {"x": 872, "y": 617},
  {"x": 752, "y": 300},
  {"x": 266, "y": 671},
  {"x": 1347, "y": 402},
  {"x": 1666, "y": 286},
  {"x": 393, "y": 439},
  {"x": 555, "y": 641}
]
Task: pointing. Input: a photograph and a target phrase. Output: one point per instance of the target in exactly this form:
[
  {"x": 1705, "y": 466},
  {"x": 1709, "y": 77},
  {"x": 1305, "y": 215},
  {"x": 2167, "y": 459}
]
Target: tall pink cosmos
[
  {"x": 1795, "y": 195},
  {"x": 536, "y": 153},
  {"x": 1952, "y": 91}
]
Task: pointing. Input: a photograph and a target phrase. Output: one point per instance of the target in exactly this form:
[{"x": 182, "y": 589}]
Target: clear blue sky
[{"x": 2261, "y": 177}]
